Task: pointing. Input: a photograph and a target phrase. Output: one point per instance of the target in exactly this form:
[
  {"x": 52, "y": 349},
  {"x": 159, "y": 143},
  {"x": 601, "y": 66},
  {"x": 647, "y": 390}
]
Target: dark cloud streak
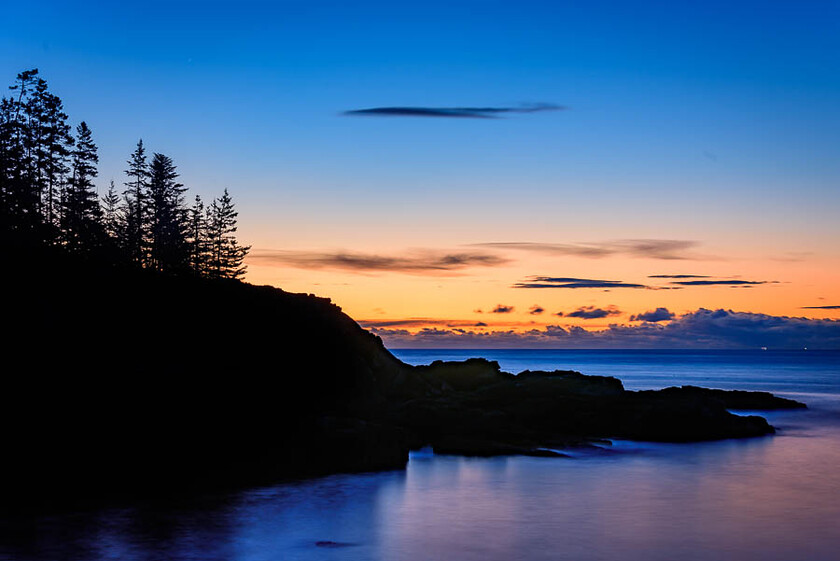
[
  {"x": 591, "y": 312},
  {"x": 453, "y": 112},
  {"x": 424, "y": 262},
  {"x": 571, "y": 282},
  {"x": 678, "y": 277},
  {"x": 735, "y": 282}
]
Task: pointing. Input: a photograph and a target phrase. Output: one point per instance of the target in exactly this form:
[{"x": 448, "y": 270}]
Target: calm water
[{"x": 775, "y": 498}]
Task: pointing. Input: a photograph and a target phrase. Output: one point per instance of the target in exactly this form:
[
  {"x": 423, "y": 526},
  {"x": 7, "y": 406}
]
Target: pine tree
[
  {"x": 35, "y": 144},
  {"x": 81, "y": 215},
  {"x": 197, "y": 238},
  {"x": 21, "y": 198},
  {"x": 136, "y": 206},
  {"x": 112, "y": 217},
  {"x": 168, "y": 249},
  {"x": 53, "y": 150},
  {"x": 226, "y": 255},
  {"x": 8, "y": 165}
]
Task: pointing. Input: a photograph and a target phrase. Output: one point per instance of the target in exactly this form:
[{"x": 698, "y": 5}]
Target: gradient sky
[{"x": 695, "y": 139}]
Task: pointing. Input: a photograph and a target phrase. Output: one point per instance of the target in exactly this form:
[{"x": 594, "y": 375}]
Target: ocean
[{"x": 771, "y": 499}]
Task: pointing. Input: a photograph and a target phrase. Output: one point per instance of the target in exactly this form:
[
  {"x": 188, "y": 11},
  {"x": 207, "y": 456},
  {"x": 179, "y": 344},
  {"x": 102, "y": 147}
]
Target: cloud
[
  {"x": 794, "y": 256},
  {"x": 591, "y": 312},
  {"x": 571, "y": 282},
  {"x": 643, "y": 248},
  {"x": 419, "y": 262},
  {"x": 453, "y": 112},
  {"x": 536, "y": 310},
  {"x": 659, "y": 314},
  {"x": 500, "y": 309},
  {"x": 678, "y": 277},
  {"x": 419, "y": 322},
  {"x": 821, "y": 307},
  {"x": 701, "y": 329},
  {"x": 730, "y": 282}
]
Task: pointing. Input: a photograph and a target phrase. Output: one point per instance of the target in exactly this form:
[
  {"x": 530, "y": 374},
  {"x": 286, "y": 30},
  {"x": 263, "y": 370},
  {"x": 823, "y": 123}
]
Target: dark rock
[{"x": 736, "y": 399}]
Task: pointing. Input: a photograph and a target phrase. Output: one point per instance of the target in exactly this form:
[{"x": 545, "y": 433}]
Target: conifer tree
[
  {"x": 20, "y": 193},
  {"x": 112, "y": 216},
  {"x": 226, "y": 255},
  {"x": 197, "y": 238},
  {"x": 8, "y": 164},
  {"x": 168, "y": 250},
  {"x": 136, "y": 206},
  {"x": 53, "y": 150},
  {"x": 81, "y": 215}
]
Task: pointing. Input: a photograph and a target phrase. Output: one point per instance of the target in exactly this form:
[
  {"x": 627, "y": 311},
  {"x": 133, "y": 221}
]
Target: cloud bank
[
  {"x": 421, "y": 262},
  {"x": 701, "y": 329},
  {"x": 453, "y": 112}
]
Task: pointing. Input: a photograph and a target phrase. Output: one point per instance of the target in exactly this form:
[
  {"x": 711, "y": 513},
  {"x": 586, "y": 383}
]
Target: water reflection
[{"x": 768, "y": 499}]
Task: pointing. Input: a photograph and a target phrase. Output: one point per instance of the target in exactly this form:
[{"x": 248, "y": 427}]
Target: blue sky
[{"x": 716, "y": 122}]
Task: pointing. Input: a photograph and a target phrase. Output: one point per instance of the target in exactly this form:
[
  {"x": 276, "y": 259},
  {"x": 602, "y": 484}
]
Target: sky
[{"x": 468, "y": 174}]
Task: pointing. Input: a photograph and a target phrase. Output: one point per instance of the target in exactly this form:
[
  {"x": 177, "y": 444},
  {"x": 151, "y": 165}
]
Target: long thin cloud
[
  {"x": 453, "y": 112},
  {"x": 573, "y": 283},
  {"x": 735, "y": 282},
  {"x": 420, "y": 322},
  {"x": 678, "y": 277},
  {"x": 642, "y": 248},
  {"x": 424, "y": 262},
  {"x": 820, "y": 307}
]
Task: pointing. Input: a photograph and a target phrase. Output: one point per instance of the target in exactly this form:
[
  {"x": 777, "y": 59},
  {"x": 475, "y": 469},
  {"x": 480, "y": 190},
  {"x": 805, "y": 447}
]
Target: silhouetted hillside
[{"x": 122, "y": 377}]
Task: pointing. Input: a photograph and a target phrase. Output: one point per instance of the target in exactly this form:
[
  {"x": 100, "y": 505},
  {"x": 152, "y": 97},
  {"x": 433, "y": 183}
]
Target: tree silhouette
[
  {"x": 113, "y": 221},
  {"x": 54, "y": 148},
  {"x": 168, "y": 232},
  {"x": 226, "y": 255},
  {"x": 136, "y": 203},
  {"x": 81, "y": 215},
  {"x": 21, "y": 197},
  {"x": 47, "y": 196},
  {"x": 197, "y": 238}
]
